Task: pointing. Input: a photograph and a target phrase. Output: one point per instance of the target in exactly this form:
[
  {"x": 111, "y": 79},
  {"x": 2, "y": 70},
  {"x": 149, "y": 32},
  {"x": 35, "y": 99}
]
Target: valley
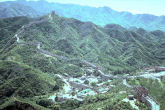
[{"x": 81, "y": 77}]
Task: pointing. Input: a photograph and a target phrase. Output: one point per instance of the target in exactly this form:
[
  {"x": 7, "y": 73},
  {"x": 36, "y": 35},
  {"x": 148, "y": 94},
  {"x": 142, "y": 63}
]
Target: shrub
[{"x": 45, "y": 102}]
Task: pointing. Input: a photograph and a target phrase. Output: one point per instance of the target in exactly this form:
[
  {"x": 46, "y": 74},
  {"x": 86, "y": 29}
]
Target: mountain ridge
[
  {"x": 9, "y": 9},
  {"x": 100, "y": 16}
]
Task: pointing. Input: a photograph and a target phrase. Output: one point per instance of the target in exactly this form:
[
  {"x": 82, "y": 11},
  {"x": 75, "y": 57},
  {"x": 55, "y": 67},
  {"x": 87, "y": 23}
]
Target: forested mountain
[
  {"x": 100, "y": 16},
  {"x": 27, "y": 71},
  {"x": 12, "y": 9}
]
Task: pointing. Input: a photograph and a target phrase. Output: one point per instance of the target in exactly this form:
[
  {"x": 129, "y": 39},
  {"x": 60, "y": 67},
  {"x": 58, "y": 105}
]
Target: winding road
[{"x": 154, "y": 104}]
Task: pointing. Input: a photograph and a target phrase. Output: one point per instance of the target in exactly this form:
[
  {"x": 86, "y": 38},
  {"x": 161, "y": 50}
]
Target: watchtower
[
  {"x": 52, "y": 13},
  {"x": 141, "y": 91}
]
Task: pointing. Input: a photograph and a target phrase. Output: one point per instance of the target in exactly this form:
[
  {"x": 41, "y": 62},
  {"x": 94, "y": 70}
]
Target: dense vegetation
[
  {"x": 100, "y": 16},
  {"x": 28, "y": 74}
]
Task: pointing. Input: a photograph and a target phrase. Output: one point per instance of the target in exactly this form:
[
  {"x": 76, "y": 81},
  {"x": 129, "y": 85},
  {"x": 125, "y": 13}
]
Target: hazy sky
[{"x": 156, "y": 7}]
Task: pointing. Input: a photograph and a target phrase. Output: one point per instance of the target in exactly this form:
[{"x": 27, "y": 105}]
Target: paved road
[{"x": 154, "y": 104}]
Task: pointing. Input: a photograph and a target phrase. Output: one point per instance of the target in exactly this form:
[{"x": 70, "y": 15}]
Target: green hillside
[{"x": 27, "y": 75}]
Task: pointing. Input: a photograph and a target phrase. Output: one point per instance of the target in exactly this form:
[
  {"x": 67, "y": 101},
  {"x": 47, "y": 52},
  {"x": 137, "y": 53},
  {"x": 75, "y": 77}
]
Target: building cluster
[{"x": 154, "y": 69}]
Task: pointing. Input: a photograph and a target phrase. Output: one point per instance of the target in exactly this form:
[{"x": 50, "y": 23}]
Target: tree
[
  {"x": 56, "y": 98},
  {"x": 86, "y": 82},
  {"x": 93, "y": 84}
]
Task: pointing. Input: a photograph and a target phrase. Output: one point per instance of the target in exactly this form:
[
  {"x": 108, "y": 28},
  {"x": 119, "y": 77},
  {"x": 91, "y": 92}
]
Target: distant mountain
[
  {"x": 100, "y": 16},
  {"x": 12, "y": 9}
]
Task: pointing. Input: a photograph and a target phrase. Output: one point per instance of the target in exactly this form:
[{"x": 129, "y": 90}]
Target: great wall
[{"x": 72, "y": 86}]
